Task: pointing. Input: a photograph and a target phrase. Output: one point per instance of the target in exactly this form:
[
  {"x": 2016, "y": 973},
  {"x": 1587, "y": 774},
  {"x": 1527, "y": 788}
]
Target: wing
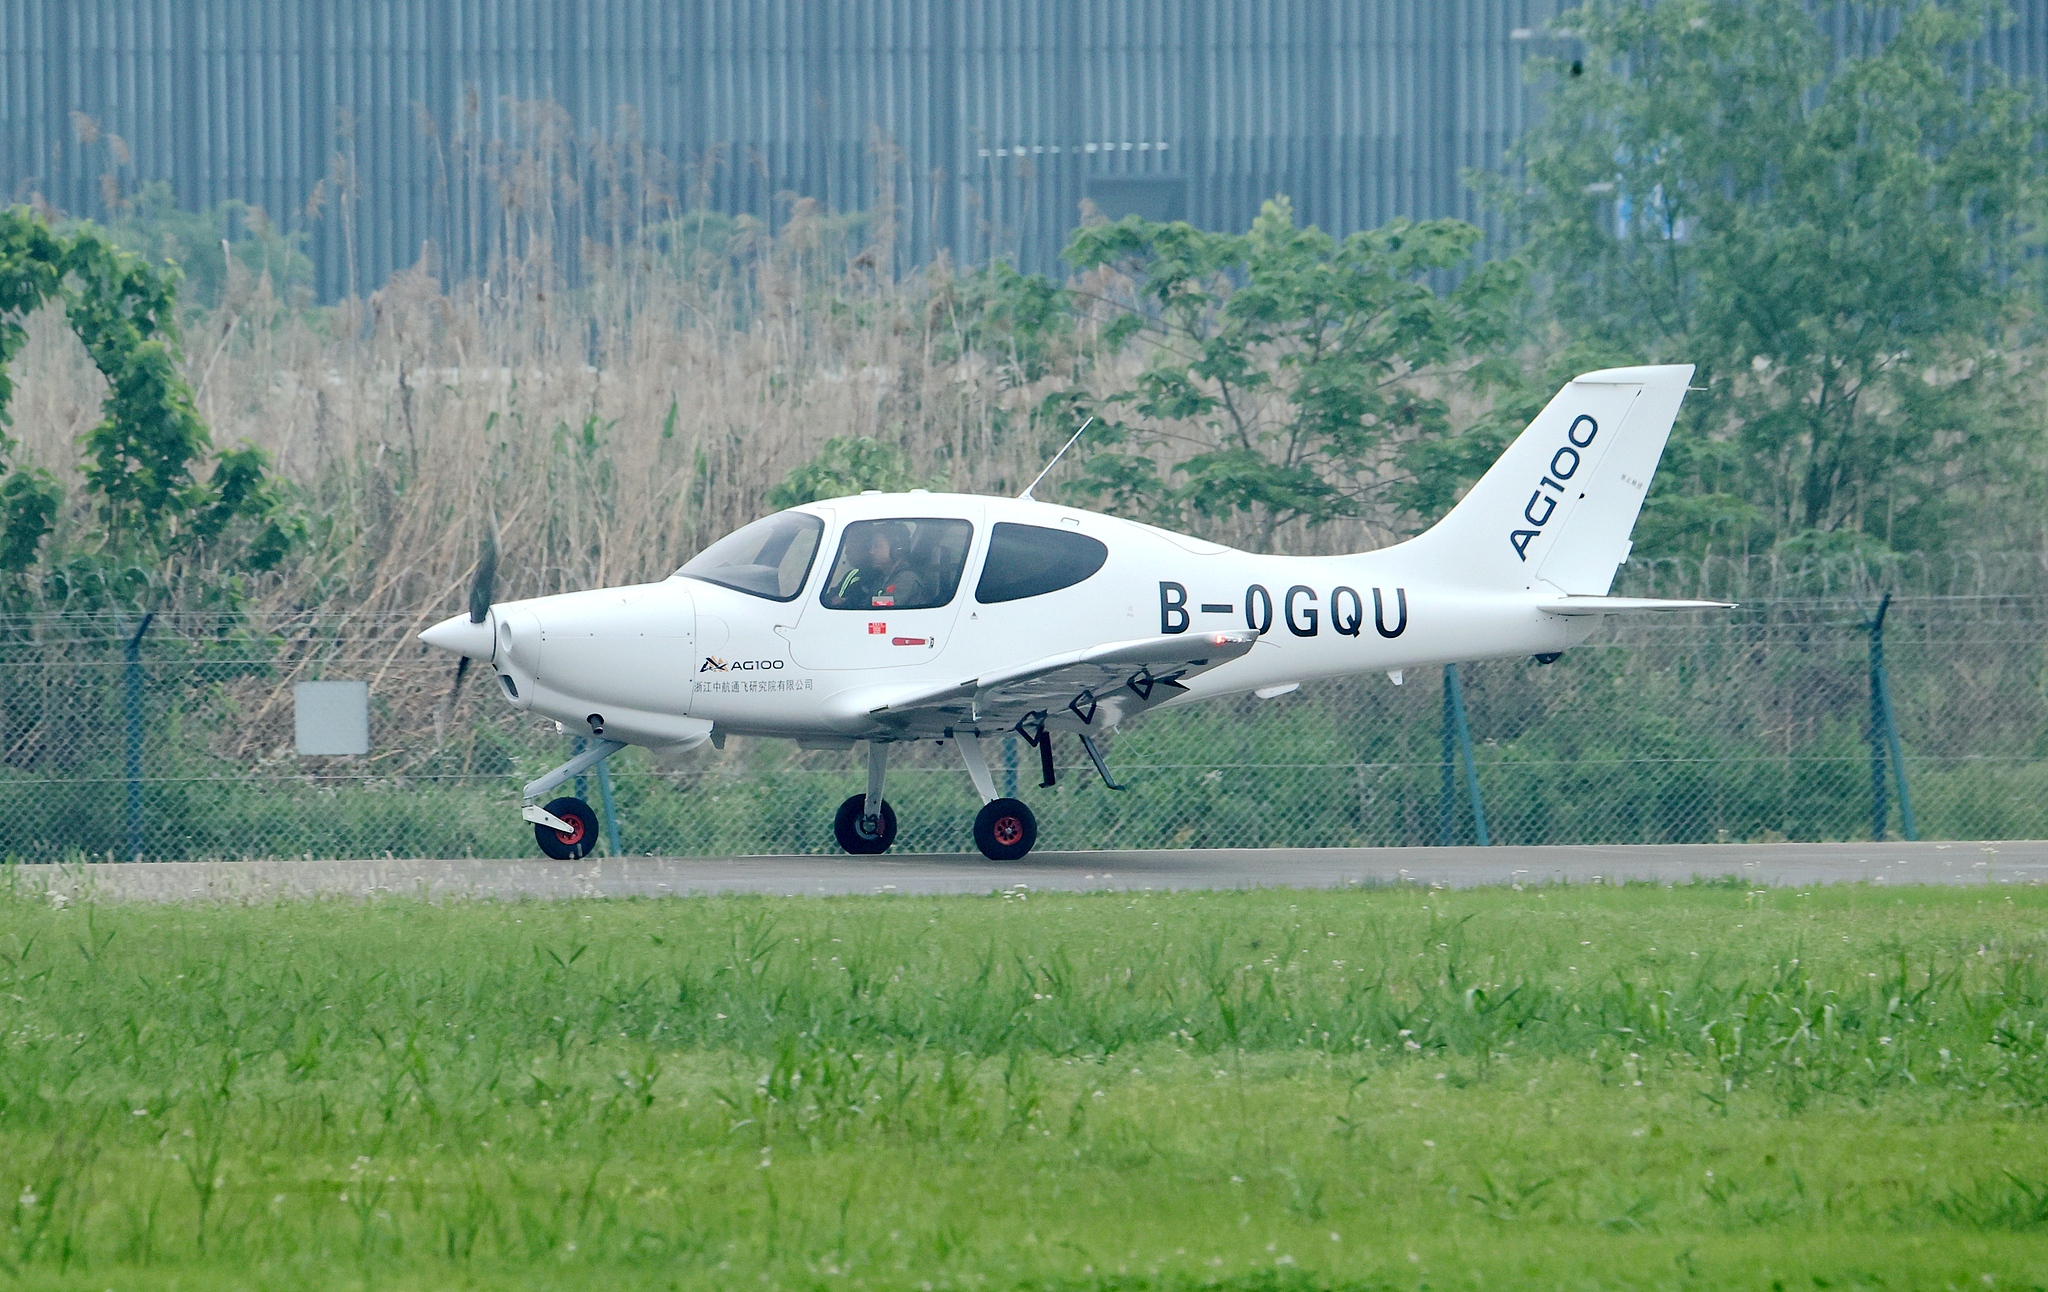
[{"x": 1086, "y": 690}]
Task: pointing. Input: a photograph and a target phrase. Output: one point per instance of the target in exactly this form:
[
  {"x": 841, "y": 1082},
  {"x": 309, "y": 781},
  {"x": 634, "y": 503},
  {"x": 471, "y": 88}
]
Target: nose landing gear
[
  {"x": 573, "y": 843},
  {"x": 566, "y": 828}
]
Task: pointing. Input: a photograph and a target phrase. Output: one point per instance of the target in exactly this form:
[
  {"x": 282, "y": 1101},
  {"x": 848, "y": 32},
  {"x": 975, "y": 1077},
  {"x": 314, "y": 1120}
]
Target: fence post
[
  {"x": 1009, "y": 767},
  {"x": 1879, "y": 810},
  {"x": 604, "y": 797},
  {"x": 1447, "y": 794},
  {"x": 132, "y": 685},
  {"x": 1884, "y": 737},
  {"x": 1456, "y": 705},
  {"x": 611, "y": 819}
]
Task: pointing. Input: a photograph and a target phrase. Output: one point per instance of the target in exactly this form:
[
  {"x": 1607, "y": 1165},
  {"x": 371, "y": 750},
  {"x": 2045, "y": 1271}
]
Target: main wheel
[
  {"x": 573, "y": 843},
  {"x": 1005, "y": 830},
  {"x": 861, "y": 834}
]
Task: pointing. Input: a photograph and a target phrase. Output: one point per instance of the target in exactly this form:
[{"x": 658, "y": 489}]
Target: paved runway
[{"x": 1778, "y": 864}]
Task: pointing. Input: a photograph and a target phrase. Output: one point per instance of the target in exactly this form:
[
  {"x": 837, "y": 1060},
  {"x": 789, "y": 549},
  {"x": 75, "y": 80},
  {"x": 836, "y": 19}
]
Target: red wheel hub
[
  {"x": 1008, "y": 830},
  {"x": 572, "y": 836}
]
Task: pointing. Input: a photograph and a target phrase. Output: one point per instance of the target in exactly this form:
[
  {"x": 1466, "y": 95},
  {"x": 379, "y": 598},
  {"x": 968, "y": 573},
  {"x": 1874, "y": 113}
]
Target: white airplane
[{"x": 894, "y": 617}]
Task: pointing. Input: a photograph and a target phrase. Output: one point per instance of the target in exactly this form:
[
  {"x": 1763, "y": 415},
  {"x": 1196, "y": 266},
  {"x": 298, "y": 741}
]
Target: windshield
[{"x": 769, "y": 558}]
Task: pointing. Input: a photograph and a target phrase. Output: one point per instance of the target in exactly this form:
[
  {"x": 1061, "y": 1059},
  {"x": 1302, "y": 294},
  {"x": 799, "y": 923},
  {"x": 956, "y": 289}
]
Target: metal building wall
[{"x": 382, "y": 126}]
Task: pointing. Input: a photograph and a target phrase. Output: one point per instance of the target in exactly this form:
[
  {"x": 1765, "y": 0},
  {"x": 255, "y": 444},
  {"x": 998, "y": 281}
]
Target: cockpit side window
[
  {"x": 909, "y": 564},
  {"x": 770, "y": 558},
  {"x": 1031, "y": 560}
]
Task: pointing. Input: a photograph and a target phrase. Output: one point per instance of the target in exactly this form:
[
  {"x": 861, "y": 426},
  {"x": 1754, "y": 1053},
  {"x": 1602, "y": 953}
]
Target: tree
[
  {"x": 1836, "y": 244},
  {"x": 1296, "y": 365},
  {"x": 1021, "y": 324},
  {"x": 154, "y": 512},
  {"x": 846, "y": 464},
  {"x": 198, "y": 243}
]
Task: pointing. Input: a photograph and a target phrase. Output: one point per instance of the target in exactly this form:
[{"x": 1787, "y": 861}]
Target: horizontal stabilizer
[{"x": 1572, "y": 607}]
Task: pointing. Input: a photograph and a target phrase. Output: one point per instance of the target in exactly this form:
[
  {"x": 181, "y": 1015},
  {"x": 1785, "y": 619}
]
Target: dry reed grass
[{"x": 611, "y": 430}]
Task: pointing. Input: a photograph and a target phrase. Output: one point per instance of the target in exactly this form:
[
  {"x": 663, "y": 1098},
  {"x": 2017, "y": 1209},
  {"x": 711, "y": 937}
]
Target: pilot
[{"x": 886, "y": 576}]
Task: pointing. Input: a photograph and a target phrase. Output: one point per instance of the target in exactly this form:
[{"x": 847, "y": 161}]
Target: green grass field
[{"x": 1631, "y": 1087}]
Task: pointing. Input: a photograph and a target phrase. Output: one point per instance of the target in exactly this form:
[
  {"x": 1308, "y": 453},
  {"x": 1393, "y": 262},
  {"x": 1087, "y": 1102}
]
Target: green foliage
[
  {"x": 704, "y": 246},
  {"x": 734, "y": 257},
  {"x": 1595, "y": 1087},
  {"x": 1836, "y": 244},
  {"x": 1021, "y": 322},
  {"x": 1308, "y": 362},
  {"x": 29, "y": 500},
  {"x": 847, "y": 464},
  {"x": 141, "y": 458},
  {"x": 198, "y": 243},
  {"x": 31, "y": 268}
]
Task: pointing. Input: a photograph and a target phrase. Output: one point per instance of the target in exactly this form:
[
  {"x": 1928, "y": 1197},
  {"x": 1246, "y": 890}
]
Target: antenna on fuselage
[{"x": 1026, "y": 495}]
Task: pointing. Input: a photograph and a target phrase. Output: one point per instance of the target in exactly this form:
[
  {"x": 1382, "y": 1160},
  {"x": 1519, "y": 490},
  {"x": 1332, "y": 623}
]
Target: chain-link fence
[{"x": 178, "y": 743}]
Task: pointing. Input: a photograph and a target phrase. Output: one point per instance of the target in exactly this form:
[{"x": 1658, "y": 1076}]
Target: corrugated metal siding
[{"x": 984, "y": 123}]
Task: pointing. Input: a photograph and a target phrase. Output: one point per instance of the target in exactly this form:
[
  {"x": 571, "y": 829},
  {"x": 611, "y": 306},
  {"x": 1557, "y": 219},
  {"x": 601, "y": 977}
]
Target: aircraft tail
[{"x": 1558, "y": 507}]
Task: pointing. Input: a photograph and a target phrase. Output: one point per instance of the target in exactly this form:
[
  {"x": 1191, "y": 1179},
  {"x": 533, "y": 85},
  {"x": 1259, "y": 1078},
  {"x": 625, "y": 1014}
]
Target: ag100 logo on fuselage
[
  {"x": 1298, "y": 610},
  {"x": 1564, "y": 464},
  {"x": 713, "y": 664}
]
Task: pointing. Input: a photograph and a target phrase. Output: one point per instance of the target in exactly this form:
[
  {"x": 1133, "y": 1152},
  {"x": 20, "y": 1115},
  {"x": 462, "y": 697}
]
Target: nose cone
[{"x": 462, "y": 636}]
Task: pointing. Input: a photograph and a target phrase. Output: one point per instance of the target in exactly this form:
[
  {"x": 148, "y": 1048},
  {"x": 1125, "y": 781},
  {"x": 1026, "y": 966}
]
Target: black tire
[
  {"x": 573, "y": 846},
  {"x": 860, "y": 834},
  {"x": 1005, "y": 830}
]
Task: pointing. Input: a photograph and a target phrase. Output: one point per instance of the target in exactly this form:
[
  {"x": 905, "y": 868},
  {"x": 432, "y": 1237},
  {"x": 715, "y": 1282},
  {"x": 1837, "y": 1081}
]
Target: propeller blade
[
  {"x": 482, "y": 586},
  {"x": 445, "y": 712}
]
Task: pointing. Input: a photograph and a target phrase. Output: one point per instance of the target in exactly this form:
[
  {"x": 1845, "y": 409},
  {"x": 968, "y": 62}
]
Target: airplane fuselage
[{"x": 663, "y": 662}]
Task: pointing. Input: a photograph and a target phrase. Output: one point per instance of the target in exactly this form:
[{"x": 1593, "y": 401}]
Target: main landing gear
[
  {"x": 865, "y": 824},
  {"x": 1004, "y": 829}
]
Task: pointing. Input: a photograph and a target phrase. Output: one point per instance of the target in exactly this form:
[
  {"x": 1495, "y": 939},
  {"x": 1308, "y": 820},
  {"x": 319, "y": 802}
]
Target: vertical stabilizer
[{"x": 1555, "y": 512}]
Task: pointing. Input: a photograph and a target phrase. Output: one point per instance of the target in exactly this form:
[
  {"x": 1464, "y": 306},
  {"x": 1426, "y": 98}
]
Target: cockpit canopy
[{"x": 897, "y": 563}]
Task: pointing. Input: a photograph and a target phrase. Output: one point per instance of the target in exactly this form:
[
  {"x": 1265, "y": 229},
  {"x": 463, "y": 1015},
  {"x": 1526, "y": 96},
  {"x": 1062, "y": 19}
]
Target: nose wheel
[
  {"x": 574, "y": 843},
  {"x": 1005, "y": 829},
  {"x": 861, "y": 834}
]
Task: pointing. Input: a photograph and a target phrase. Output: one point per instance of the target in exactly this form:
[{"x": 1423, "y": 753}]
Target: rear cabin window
[
  {"x": 909, "y": 564},
  {"x": 769, "y": 558},
  {"x": 1030, "y": 561}
]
